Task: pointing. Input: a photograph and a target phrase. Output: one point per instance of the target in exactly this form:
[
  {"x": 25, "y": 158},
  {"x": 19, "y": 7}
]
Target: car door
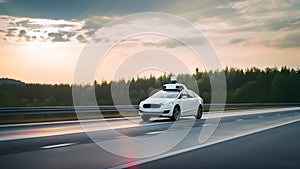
[
  {"x": 193, "y": 102},
  {"x": 184, "y": 100}
]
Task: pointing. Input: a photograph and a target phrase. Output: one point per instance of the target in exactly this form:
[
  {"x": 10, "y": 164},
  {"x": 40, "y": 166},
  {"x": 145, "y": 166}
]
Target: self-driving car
[{"x": 173, "y": 101}]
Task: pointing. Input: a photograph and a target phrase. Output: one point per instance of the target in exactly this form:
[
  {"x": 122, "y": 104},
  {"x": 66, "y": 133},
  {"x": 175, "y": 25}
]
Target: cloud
[
  {"x": 173, "y": 43},
  {"x": 18, "y": 29},
  {"x": 81, "y": 39},
  {"x": 11, "y": 32},
  {"x": 290, "y": 40},
  {"x": 259, "y": 21},
  {"x": 267, "y": 25},
  {"x": 40, "y": 23},
  {"x": 229, "y": 21},
  {"x": 92, "y": 24},
  {"x": 203, "y": 11},
  {"x": 97, "y": 22},
  {"x": 58, "y": 37},
  {"x": 237, "y": 40},
  {"x": 69, "y": 34},
  {"x": 90, "y": 32},
  {"x": 267, "y": 9},
  {"x": 22, "y": 33},
  {"x": 23, "y": 23}
]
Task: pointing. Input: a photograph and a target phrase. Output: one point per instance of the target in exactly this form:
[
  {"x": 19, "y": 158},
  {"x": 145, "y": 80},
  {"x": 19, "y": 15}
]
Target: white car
[{"x": 173, "y": 101}]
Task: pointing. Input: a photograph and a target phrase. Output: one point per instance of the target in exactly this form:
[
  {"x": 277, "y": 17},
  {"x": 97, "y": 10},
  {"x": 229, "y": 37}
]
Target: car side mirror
[{"x": 184, "y": 97}]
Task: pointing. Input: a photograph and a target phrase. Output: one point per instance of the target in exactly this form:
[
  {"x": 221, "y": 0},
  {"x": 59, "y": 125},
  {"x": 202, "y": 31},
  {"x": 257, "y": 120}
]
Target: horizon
[
  {"x": 42, "y": 42},
  {"x": 157, "y": 76}
]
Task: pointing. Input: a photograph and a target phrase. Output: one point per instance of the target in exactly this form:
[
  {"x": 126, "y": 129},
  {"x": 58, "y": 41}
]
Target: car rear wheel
[
  {"x": 145, "y": 118},
  {"x": 176, "y": 114},
  {"x": 199, "y": 112}
]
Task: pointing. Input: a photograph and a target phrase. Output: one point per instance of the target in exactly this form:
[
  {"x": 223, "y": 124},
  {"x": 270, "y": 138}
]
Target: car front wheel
[
  {"x": 199, "y": 112},
  {"x": 176, "y": 114}
]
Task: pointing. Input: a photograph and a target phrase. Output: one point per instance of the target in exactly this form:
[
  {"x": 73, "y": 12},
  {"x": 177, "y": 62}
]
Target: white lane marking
[
  {"x": 239, "y": 120},
  {"x": 154, "y": 132},
  {"x": 139, "y": 162},
  {"x": 57, "y": 145},
  {"x": 203, "y": 125},
  {"x": 260, "y": 117},
  {"x": 233, "y": 113}
]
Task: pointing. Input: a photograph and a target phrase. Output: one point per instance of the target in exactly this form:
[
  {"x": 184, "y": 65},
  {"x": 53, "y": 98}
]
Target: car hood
[{"x": 158, "y": 100}]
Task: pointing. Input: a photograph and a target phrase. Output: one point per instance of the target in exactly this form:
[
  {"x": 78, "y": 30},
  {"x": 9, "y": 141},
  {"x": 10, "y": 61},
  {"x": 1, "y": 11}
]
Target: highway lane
[
  {"x": 275, "y": 148},
  {"x": 76, "y": 150},
  {"x": 32, "y": 130}
]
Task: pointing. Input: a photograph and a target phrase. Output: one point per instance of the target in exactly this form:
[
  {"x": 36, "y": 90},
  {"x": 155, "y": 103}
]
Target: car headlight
[
  {"x": 141, "y": 104},
  {"x": 170, "y": 103}
]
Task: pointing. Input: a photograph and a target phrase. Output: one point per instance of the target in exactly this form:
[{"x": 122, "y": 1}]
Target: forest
[{"x": 250, "y": 85}]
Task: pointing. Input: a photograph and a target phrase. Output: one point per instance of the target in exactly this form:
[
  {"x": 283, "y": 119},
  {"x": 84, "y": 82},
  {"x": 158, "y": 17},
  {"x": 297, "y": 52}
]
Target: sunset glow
[{"x": 43, "y": 45}]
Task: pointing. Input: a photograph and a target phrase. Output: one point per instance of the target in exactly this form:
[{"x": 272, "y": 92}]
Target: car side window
[
  {"x": 183, "y": 93},
  {"x": 193, "y": 95},
  {"x": 190, "y": 94}
]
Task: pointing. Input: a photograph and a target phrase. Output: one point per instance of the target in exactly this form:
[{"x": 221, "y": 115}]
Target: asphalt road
[
  {"x": 66, "y": 145},
  {"x": 275, "y": 148}
]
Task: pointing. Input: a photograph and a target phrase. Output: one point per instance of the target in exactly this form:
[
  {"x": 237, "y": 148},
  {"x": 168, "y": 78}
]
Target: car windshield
[{"x": 165, "y": 94}]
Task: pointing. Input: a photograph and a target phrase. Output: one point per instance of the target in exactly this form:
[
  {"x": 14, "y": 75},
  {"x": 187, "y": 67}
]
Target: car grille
[{"x": 151, "y": 105}]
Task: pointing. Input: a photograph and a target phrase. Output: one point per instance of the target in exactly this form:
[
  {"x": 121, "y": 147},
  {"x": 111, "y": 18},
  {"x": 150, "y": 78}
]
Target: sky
[{"x": 41, "y": 41}]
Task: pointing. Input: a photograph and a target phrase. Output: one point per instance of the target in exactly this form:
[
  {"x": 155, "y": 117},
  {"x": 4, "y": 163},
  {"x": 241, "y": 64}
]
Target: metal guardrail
[
  {"x": 64, "y": 110},
  {"x": 13, "y": 111}
]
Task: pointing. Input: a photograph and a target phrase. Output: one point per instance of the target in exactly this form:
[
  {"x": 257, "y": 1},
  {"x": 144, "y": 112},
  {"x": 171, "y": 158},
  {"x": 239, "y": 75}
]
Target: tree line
[{"x": 243, "y": 86}]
